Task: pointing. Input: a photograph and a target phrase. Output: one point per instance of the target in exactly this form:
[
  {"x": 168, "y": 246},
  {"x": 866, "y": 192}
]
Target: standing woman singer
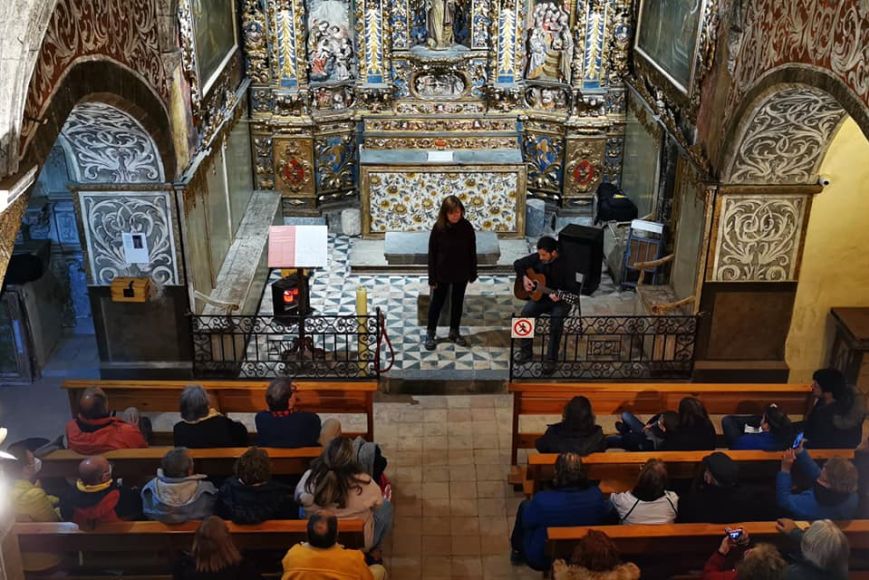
[{"x": 452, "y": 262}]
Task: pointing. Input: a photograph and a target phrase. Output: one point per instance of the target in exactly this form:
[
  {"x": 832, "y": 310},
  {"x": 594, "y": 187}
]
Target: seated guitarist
[{"x": 559, "y": 276}]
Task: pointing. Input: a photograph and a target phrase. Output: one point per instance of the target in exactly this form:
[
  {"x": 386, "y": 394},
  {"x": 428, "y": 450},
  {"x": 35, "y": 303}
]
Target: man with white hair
[{"x": 824, "y": 551}]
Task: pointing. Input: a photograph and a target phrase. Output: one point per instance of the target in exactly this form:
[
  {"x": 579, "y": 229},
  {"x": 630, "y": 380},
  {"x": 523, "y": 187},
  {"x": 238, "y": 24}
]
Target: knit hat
[{"x": 723, "y": 469}]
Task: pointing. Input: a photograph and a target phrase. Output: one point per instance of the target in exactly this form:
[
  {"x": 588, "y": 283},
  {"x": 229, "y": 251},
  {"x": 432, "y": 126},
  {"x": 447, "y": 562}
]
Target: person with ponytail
[{"x": 336, "y": 482}]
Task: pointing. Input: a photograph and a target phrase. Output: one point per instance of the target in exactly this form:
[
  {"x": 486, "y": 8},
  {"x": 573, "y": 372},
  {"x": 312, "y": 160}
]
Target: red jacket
[
  {"x": 94, "y": 436},
  {"x": 714, "y": 569},
  {"x": 89, "y": 505}
]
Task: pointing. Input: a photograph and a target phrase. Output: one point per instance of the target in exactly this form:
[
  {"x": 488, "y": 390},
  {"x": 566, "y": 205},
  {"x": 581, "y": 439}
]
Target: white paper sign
[
  {"x": 135, "y": 248},
  {"x": 440, "y": 156},
  {"x": 522, "y": 328},
  {"x": 298, "y": 246}
]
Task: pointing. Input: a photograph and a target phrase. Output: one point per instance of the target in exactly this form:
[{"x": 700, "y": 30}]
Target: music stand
[{"x": 302, "y": 248}]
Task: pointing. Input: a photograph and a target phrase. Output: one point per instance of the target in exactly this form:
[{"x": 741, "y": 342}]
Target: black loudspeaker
[
  {"x": 290, "y": 296},
  {"x": 582, "y": 247}
]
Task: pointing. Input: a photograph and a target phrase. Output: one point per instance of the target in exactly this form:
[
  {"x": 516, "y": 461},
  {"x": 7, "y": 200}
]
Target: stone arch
[
  {"x": 113, "y": 85},
  {"x": 785, "y": 125}
]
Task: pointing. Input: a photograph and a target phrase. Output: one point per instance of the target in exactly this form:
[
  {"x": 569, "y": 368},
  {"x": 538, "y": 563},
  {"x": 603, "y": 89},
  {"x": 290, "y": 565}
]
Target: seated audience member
[
  {"x": 595, "y": 557},
  {"x": 214, "y": 556},
  {"x": 337, "y": 483},
  {"x": 574, "y": 501},
  {"x": 95, "y": 430},
  {"x": 368, "y": 455},
  {"x": 202, "y": 426},
  {"x": 252, "y": 497},
  {"x": 833, "y": 495},
  {"x": 762, "y": 562},
  {"x": 99, "y": 499},
  {"x": 836, "y": 411},
  {"x": 649, "y": 502},
  {"x": 771, "y": 431},
  {"x": 322, "y": 557},
  {"x": 717, "y": 496},
  {"x": 689, "y": 430},
  {"x": 177, "y": 494},
  {"x": 861, "y": 462},
  {"x": 824, "y": 551},
  {"x": 576, "y": 433},
  {"x": 283, "y": 425},
  {"x": 31, "y": 503}
]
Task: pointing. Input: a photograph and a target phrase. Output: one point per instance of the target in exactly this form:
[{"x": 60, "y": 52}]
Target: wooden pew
[
  {"x": 647, "y": 398},
  {"x": 356, "y": 397},
  {"x": 140, "y": 465},
  {"x": 692, "y": 544},
  {"x": 619, "y": 471},
  {"x": 152, "y": 538}
]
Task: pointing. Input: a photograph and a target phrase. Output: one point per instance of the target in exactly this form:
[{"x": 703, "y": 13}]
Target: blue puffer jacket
[
  {"x": 174, "y": 500},
  {"x": 805, "y": 505},
  {"x": 559, "y": 508}
]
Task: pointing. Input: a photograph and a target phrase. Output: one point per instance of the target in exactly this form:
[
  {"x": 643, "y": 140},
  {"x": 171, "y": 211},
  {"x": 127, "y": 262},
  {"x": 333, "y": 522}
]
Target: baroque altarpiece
[{"x": 348, "y": 95}]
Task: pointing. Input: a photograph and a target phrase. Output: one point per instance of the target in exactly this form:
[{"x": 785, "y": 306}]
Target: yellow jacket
[
  {"x": 32, "y": 504},
  {"x": 304, "y": 562}
]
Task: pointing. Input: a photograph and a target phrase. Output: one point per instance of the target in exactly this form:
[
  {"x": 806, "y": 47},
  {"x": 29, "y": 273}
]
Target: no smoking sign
[{"x": 522, "y": 328}]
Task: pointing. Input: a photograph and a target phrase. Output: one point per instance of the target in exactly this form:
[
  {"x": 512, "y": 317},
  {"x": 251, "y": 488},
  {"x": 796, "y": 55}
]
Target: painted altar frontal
[
  {"x": 347, "y": 96},
  {"x": 401, "y": 190}
]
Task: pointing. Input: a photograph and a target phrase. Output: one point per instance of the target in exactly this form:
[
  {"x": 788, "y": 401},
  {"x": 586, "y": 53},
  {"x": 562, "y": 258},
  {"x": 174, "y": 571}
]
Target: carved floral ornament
[
  {"x": 785, "y": 140},
  {"x": 758, "y": 238}
]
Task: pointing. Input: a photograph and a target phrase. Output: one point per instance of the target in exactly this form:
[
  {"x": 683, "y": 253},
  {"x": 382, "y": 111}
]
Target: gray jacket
[{"x": 174, "y": 500}]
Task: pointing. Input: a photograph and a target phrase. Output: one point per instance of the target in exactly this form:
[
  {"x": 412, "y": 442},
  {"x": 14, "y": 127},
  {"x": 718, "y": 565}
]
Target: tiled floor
[
  {"x": 488, "y": 308},
  {"x": 448, "y": 461}
]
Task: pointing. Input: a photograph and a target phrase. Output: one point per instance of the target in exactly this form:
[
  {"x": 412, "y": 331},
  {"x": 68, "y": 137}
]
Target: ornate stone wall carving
[
  {"x": 107, "y": 215},
  {"x": 583, "y": 166},
  {"x": 829, "y": 36},
  {"x": 253, "y": 23},
  {"x": 758, "y": 238},
  {"x": 126, "y": 31},
  {"x": 106, "y": 145},
  {"x": 786, "y": 138},
  {"x": 294, "y": 166}
]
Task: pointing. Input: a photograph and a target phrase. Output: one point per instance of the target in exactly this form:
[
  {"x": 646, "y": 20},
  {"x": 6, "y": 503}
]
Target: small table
[{"x": 851, "y": 345}]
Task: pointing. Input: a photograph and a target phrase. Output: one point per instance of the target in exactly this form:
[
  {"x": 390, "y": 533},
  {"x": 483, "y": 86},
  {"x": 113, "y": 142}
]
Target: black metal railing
[
  {"x": 316, "y": 347},
  {"x": 610, "y": 347}
]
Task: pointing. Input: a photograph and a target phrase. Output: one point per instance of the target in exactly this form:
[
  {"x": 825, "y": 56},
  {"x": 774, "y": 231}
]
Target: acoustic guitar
[{"x": 540, "y": 290}]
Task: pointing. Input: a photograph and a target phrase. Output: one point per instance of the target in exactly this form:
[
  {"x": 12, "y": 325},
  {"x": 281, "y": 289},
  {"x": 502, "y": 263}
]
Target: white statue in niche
[
  {"x": 441, "y": 15},
  {"x": 550, "y": 43}
]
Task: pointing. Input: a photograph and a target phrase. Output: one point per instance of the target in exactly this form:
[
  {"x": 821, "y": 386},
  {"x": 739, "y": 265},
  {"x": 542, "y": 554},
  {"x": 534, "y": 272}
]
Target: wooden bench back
[
  {"x": 140, "y": 465},
  {"x": 232, "y": 396},
  {"x": 684, "y": 540},
  {"x": 149, "y": 537},
  {"x": 648, "y": 398},
  {"x": 618, "y": 471}
]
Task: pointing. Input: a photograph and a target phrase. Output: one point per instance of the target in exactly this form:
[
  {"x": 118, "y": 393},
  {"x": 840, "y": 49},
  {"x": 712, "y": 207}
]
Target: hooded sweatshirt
[
  {"x": 103, "y": 503},
  {"x": 95, "y": 436},
  {"x": 559, "y": 439},
  {"x": 174, "y": 500}
]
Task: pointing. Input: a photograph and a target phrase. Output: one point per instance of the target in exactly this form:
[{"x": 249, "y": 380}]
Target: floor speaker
[{"x": 582, "y": 247}]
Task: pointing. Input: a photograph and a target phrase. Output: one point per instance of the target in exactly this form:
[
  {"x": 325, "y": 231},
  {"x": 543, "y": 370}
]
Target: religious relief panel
[
  {"x": 107, "y": 216},
  {"x": 294, "y": 167},
  {"x": 409, "y": 200},
  {"x": 332, "y": 56},
  {"x": 335, "y": 163},
  {"x": 544, "y": 155},
  {"x": 548, "y": 43},
  {"x": 759, "y": 238},
  {"x": 436, "y": 85},
  {"x": 547, "y": 99}
]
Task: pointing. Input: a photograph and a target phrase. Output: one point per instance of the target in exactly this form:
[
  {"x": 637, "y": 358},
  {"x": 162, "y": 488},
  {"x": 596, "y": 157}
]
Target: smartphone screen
[
  {"x": 735, "y": 534},
  {"x": 798, "y": 439}
]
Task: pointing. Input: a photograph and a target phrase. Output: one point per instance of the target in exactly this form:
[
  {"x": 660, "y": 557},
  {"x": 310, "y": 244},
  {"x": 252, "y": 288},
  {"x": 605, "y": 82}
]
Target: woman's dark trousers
[{"x": 438, "y": 297}]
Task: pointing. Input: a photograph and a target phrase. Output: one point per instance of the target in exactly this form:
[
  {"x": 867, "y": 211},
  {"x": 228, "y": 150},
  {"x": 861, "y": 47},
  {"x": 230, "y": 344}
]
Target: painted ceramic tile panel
[{"x": 409, "y": 201}]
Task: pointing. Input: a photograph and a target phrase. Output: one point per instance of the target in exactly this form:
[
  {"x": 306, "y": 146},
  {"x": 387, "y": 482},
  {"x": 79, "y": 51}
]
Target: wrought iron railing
[
  {"x": 316, "y": 347},
  {"x": 611, "y": 347}
]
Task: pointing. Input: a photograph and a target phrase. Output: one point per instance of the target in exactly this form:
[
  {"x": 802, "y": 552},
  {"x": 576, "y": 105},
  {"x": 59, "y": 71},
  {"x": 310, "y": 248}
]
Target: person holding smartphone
[
  {"x": 452, "y": 265},
  {"x": 833, "y": 495},
  {"x": 761, "y": 561}
]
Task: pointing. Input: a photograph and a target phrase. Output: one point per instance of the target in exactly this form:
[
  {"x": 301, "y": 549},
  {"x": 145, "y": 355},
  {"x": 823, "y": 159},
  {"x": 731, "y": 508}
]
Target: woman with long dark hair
[
  {"x": 336, "y": 482},
  {"x": 452, "y": 265},
  {"x": 214, "y": 556},
  {"x": 576, "y": 433}
]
